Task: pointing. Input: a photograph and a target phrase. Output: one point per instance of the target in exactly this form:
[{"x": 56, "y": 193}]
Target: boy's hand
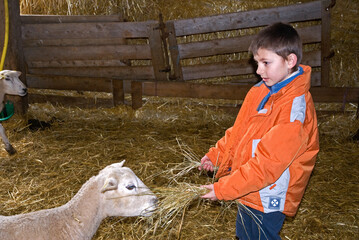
[
  {"x": 210, "y": 195},
  {"x": 206, "y": 164}
]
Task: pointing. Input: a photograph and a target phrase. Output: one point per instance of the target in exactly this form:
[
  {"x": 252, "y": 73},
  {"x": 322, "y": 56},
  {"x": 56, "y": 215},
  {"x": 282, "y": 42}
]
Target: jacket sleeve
[
  {"x": 216, "y": 153},
  {"x": 278, "y": 148}
]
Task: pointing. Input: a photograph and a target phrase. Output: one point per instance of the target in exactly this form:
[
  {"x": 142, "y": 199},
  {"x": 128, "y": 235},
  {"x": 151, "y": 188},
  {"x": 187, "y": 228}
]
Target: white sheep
[
  {"x": 12, "y": 85},
  {"x": 115, "y": 191}
]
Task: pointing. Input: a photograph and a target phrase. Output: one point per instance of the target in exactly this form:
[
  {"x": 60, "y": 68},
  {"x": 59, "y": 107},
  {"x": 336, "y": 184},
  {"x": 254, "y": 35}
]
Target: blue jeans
[{"x": 252, "y": 224}]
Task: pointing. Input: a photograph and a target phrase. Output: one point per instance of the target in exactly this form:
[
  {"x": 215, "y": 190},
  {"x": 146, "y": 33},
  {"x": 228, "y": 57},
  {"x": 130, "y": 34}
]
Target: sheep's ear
[
  {"x": 3, "y": 73},
  {"x": 17, "y": 73},
  {"x": 121, "y": 163},
  {"x": 110, "y": 184}
]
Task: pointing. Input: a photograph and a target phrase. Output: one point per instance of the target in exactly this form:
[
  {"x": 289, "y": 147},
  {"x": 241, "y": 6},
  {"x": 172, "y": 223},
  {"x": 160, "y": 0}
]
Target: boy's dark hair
[{"x": 280, "y": 38}]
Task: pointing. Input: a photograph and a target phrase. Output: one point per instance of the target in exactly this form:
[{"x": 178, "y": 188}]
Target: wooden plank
[
  {"x": 70, "y": 83},
  {"x": 213, "y": 70},
  {"x": 129, "y": 73},
  {"x": 71, "y": 42},
  {"x": 247, "y": 19},
  {"x": 193, "y": 90},
  {"x": 237, "y": 92},
  {"x": 315, "y": 79},
  {"x": 312, "y": 58},
  {"x": 325, "y": 44},
  {"x": 121, "y": 52},
  {"x": 157, "y": 53},
  {"x": 33, "y": 18},
  {"x": 335, "y": 94},
  {"x": 77, "y": 63},
  {"x": 230, "y": 45},
  {"x": 174, "y": 53},
  {"x": 311, "y": 34},
  {"x": 71, "y": 101},
  {"x": 86, "y": 30},
  {"x": 215, "y": 47},
  {"x": 239, "y": 67}
]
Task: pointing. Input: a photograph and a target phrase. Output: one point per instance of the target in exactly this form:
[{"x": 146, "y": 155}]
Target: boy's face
[{"x": 273, "y": 68}]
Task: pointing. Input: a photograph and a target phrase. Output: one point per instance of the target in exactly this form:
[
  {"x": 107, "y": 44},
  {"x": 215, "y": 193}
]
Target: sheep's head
[
  {"x": 11, "y": 84},
  {"x": 124, "y": 194}
]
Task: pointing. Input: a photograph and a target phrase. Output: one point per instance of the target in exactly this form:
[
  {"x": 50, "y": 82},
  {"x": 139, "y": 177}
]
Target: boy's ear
[{"x": 292, "y": 60}]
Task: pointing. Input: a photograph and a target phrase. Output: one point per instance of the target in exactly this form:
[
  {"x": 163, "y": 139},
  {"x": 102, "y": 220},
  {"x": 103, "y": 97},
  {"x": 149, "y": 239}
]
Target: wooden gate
[{"x": 90, "y": 53}]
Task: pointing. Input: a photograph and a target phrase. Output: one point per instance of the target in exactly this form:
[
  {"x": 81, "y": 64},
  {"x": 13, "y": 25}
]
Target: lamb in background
[
  {"x": 115, "y": 191},
  {"x": 12, "y": 85}
]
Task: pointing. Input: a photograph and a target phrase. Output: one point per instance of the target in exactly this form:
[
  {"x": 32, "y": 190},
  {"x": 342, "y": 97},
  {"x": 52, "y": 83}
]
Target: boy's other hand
[
  {"x": 210, "y": 195},
  {"x": 206, "y": 164}
]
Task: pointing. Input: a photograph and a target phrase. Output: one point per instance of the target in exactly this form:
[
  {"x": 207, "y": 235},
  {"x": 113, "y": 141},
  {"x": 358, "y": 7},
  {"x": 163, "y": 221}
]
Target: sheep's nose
[
  {"x": 24, "y": 90},
  {"x": 155, "y": 201}
]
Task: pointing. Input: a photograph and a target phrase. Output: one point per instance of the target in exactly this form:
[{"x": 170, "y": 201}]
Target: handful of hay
[
  {"x": 176, "y": 172},
  {"x": 174, "y": 201},
  {"x": 190, "y": 162}
]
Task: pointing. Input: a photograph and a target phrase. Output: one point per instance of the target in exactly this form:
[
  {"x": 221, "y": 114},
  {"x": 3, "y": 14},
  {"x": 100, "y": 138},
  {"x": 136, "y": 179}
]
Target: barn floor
[{"x": 57, "y": 157}]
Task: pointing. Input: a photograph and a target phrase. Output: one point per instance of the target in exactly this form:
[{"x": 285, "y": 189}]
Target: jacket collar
[{"x": 278, "y": 86}]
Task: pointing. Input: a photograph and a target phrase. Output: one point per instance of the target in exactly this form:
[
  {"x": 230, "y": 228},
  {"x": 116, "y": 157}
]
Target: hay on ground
[{"x": 53, "y": 162}]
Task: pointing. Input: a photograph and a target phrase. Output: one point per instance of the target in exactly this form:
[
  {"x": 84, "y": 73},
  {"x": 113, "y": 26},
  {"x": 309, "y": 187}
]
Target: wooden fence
[
  {"x": 156, "y": 58},
  {"x": 90, "y": 53}
]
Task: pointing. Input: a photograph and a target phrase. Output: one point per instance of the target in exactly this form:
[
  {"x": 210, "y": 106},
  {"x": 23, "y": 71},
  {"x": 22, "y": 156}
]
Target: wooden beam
[
  {"x": 77, "y": 63},
  {"x": 157, "y": 53},
  {"x": 247, "y": 19},
  {"x": 212, "y": 70},
  {"x": 33, "y": 18},
  {"x": 136, "y": 94},
  {"x": 238, "y": 92},
  {"x": 193, "y": 90},
  {"x": 230, "y": 45},
  {"x": 174, "y": 53},
  {"x": 118, "y": 94},
  {"x": 60, "y": 42},
  {"x": 95, "y": 84},
  {"x": 326, "y": 43},
  {"x": 126, "y": 72},
  {"x": 60, "y": 53},
  {"x": 335, "y": 94},
  {"x": 86, "y": 30},
  {"x": 71, "y": 101}
]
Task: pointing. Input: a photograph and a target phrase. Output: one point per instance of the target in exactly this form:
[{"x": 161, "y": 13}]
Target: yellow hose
[{"x": 6, "y": 38}]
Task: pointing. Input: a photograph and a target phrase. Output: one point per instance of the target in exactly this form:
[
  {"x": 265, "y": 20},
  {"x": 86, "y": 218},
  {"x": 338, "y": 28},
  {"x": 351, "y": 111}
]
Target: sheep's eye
[
  {"x": 7, "y": 79},
  {"x": 131, "y": 187}
]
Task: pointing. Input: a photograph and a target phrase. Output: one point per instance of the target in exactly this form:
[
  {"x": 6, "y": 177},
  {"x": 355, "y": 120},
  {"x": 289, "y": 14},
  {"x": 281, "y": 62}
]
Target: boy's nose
[{"x": 259, "y": 70}]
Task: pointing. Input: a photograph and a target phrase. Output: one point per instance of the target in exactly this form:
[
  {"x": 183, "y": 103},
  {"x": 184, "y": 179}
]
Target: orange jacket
[{"x": 266, "y": 158}]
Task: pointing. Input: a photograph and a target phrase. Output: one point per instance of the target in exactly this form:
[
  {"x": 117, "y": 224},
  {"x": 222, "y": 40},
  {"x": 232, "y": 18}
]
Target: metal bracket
[
  {"x": 331, "y": 54},
  {"x": 331, "y": 5}
]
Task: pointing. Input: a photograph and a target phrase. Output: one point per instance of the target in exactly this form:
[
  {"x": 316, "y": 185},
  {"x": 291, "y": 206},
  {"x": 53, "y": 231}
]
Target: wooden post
[
  {"x": 157, "y": 52},
  {"x": 326, "y": 43},
  {"x": 175, "y": 56},
  {"x": 136, "y": 94},
  {"x": 14, "y": 56},
  {"x": 118, "y": 94}
]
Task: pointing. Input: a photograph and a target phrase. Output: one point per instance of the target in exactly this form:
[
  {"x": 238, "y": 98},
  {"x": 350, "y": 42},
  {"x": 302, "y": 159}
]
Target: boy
[{"x": 266, "y": 158}]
